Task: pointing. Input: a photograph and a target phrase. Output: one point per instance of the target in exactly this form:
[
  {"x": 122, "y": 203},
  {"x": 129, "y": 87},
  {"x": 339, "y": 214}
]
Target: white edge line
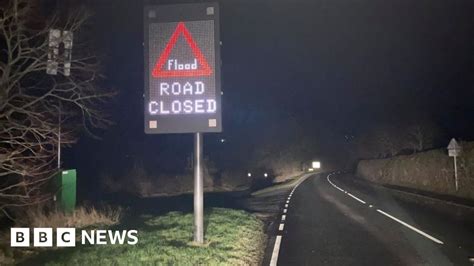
[
  {"x": 356, "y": 198},
  {"x": 284, "y": 211},
  {"x": 276, "y": 250},
  {"x": 411, "y": 227},
  {"x": 283, "y": 217},
  {"x": 281, "y": 227}
]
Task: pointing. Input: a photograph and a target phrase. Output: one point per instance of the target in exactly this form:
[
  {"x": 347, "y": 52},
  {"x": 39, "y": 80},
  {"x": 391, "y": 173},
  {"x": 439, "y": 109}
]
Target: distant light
[
  {"x": 316, "y": 164},
  {"x": 249, "y": 174},
  {"x": 311, "y": 169},
  {"x": 222, "y": 140},
  {"x": 265, "y": 175}
]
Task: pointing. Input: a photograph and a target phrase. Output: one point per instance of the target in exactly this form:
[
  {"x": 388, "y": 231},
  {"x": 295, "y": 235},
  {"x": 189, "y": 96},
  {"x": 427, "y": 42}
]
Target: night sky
[{"x": 333, "y": 66}]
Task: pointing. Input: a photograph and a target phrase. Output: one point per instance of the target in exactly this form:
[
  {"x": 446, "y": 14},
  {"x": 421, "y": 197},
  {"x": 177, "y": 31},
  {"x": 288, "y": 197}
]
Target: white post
[{"x": 456, "y": 173}]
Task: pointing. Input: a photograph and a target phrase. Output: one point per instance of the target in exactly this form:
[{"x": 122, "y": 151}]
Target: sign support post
[
  {"x": 454, "y": 150},
  {"x": 455, "y": 173},
  {"x": 198, "y": 190}
]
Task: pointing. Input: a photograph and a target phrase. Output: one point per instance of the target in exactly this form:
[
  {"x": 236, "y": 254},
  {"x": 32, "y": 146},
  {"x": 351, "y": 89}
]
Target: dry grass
[
  {"x": 81, "y": 217},
  {"x": 43, "y": 216},
  {"x": 138, "y": 181},
  {"x": 283, "y": 186}
]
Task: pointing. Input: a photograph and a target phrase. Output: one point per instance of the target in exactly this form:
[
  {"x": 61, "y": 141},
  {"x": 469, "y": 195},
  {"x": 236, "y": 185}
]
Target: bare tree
[
  {"x": 422, "y": 135},
  {"x": 381, "y": 141},
  {"x": 33, "y": 103}
]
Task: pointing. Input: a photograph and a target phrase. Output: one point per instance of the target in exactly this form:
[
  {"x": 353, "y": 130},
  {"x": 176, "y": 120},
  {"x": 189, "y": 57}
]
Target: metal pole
[
  {"x": 455, "y": 173},
  {"x": 59, "y": 140},
  {"x": 198, "y": 190}
]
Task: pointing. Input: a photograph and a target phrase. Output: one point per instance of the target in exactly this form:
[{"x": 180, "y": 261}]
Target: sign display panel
[{"x": 182, "y": 69}]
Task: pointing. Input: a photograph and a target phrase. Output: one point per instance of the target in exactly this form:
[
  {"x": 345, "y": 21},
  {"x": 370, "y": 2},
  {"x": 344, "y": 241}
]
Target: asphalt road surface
[{"x": 332, "y": 220}]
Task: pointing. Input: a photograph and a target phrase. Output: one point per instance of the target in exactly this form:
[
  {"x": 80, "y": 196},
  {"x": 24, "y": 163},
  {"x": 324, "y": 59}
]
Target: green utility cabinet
[{"x": 66, "y": 190}]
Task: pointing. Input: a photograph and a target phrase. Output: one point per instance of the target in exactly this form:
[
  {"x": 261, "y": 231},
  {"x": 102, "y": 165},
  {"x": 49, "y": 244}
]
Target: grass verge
[
  {"x": 233, "y": 237},
  {"x": 283, "y": 185},
  {"x": 47, "y": 216}
]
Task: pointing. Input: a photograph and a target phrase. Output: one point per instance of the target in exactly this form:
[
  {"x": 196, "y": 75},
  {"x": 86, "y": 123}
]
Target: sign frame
[
  {"x": 454, "y": 149},
  {"x": 182, "y": 123}
]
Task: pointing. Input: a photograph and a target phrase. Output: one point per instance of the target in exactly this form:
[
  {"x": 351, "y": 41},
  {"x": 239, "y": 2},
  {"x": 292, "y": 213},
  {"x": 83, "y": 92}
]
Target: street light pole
[{"x": 198, "y": 190}]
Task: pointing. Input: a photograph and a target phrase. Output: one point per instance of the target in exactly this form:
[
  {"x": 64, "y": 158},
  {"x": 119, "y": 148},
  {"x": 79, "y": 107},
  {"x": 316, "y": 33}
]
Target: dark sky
[
  {"x": 342, "y": 65},
  {"x": 345, "y": 60},
  {"x": 336, "y": 59}
]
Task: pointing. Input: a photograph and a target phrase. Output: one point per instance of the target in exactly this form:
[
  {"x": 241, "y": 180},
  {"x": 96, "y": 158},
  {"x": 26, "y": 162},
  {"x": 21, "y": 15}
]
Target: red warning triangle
[{"x": 204, "y": 70}]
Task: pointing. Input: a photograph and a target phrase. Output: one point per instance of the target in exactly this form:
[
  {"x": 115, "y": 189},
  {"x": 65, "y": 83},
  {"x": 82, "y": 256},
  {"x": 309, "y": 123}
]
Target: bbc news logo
[{"x": 66, "y": 237}]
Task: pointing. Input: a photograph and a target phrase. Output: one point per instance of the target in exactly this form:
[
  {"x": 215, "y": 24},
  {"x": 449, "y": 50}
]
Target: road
[{"x": 332, "y": 220}]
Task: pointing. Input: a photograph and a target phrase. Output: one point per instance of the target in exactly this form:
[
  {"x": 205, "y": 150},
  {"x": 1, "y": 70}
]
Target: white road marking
[
  {"x": 276, "y": 247},
  {"x": 340, "y": 189},
  {"x": 334, "y": 185},
  {"x": 356, "y": 198},
  {"x": 276, "y": 250},
  {"x": 411, "y": 227},
  {"x": 388, "y": 215}
]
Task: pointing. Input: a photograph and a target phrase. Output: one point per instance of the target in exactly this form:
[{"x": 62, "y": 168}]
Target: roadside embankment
[{"x": 430, "y": 171}]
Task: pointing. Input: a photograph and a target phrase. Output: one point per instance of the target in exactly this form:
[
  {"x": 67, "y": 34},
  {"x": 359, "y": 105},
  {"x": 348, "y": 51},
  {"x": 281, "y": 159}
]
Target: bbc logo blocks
[
  {"x": 20, "y": 237},
  {"x": 43, "y": 237},
  {"x": 66, "y": 237}
]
